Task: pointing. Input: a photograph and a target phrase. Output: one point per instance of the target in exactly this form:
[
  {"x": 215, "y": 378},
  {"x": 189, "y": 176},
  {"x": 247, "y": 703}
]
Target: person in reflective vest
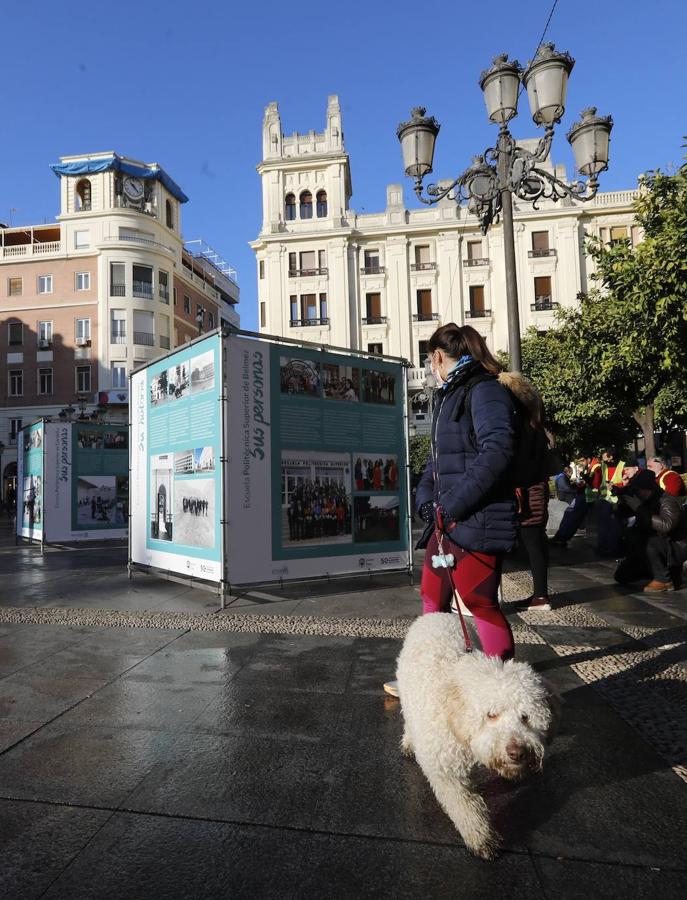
[
  {"x": 592, "y": 478},
  {"x": 609, "y": 528},
  {"x": 669, "y": 481}
]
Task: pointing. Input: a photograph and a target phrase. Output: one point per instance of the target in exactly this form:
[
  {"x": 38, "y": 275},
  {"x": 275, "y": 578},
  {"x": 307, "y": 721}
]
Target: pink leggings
[{"x": 477, "y": 577}]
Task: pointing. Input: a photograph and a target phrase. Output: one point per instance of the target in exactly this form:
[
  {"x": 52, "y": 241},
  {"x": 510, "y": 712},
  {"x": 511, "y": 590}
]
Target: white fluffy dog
[{"x": 461, "y": 709}]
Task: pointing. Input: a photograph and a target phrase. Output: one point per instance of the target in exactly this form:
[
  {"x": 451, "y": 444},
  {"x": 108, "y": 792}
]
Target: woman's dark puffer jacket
[{"x": 472, "y": 456}]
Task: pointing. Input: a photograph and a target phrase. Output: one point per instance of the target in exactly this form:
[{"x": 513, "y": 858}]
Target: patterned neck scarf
[{"x": 462, "y": 364}]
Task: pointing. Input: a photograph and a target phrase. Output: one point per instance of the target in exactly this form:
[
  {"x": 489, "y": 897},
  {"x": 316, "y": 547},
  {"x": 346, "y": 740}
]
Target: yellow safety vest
[{"x": 606, "y": 485}]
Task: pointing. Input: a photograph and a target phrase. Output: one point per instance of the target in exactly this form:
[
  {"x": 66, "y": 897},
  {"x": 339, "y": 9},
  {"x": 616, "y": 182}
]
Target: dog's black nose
[{"x": 516, "y": 752}]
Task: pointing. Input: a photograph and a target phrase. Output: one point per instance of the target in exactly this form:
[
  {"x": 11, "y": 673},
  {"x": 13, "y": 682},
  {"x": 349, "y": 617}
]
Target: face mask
[{"x": 437, "y": 377}]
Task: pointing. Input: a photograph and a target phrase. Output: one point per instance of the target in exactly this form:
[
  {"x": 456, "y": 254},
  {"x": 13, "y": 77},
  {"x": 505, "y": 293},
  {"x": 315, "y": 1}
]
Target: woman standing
[
  {"x": 532, "y": 492},
  {"x": 466, "y": 490}
]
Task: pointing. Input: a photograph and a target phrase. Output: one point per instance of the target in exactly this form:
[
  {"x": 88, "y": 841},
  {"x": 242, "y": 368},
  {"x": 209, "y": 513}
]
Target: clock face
[{"x": 133, "y": 188}]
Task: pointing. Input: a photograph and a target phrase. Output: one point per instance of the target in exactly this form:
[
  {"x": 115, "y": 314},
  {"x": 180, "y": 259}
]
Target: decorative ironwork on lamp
[{"x": 508, "y": 169}]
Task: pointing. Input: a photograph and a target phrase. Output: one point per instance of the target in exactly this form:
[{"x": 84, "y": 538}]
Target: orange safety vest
[
  {"x": 592, "y": 494},
  {"x": 662, "y": 478}
]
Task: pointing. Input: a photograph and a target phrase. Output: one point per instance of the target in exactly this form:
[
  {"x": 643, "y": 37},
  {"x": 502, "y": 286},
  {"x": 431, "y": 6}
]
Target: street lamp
[
  {"x": 199, "y": 318},
  {"x": 489, "y": 183}
]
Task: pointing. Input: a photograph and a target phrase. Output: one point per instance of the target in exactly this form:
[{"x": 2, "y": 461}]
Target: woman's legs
[
  {"x": 533, "y": 538},
  {"x": 477, "y": 577}
]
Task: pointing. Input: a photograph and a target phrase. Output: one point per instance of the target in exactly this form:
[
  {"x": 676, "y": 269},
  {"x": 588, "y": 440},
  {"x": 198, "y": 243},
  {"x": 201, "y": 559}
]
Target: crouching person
[{"x": 656, "y": 544}]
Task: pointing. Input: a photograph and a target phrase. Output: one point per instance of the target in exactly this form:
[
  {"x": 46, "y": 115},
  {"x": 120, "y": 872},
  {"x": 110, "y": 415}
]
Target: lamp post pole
[
  {"x": 507, "y": 169},
  {"x": 512, "y": 305}
]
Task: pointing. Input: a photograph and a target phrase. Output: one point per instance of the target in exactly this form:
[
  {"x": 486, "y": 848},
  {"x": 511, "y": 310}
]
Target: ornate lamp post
[
  {"x": 200, "y": 314},
  {"x": 489, "y": 183}
]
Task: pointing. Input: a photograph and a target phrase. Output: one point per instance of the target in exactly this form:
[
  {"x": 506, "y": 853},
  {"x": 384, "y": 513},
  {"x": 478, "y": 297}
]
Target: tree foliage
[
  {"x": 419, "y": 452},
  {"x": 620, "y": 359}
]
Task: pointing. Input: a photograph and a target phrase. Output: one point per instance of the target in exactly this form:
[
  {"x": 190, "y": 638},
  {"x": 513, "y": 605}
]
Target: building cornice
[{"x": 312, "y": 161}]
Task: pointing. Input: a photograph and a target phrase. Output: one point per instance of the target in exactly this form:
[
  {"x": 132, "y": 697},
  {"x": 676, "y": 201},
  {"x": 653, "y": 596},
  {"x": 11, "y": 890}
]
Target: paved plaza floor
[{"x": 153, "y": 745}]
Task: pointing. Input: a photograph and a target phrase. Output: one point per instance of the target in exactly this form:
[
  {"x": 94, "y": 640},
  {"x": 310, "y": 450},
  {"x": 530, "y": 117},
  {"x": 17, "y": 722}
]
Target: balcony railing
[
  {"x": 372, "y": 270},
  {"x": 143, "y": 289},
  {"x": 425, "y": 317},
  {"x": 543, "y": 304},
  {"x": 307, "y": 273},
  {"x": 477, "y": 313},
  {"x": 118, "y": 337},
  {"x": 422, "y": 267},
  {"x": 117, "y": 290},
  {"x": 478, "y": 261},
  {"x": 35, "y": 249},
  {"x": 132, "y": 238},
  {"x": 375, "y": 320},
  {"x": 534, "y": 254},
  {"x": 144, "y": 338},
  {"x": 164, "y": 342},
  {"x": 304, "y": 323}
]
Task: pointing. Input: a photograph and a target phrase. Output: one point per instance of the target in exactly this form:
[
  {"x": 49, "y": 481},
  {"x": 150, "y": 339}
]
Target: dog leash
[{"x": 446, "y": 561}]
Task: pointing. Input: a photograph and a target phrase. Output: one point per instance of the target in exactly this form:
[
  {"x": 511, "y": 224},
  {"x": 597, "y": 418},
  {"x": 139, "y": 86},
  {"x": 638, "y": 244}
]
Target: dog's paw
[{"x": 487, "y": 848}]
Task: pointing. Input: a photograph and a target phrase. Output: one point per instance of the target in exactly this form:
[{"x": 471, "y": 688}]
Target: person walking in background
[
  {"x": 667, "y": 480},
  {"x": 532, "y": 490}
]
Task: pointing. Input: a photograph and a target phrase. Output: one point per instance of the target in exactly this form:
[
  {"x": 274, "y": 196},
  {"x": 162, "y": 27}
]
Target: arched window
[
  {"x": 290, "y": 208},
  {"x": 321, "y": 204},
  {"x": 169, "y": 214},
  {"x": 306, "y": 205},
  {"x": 83, "y": 195}
]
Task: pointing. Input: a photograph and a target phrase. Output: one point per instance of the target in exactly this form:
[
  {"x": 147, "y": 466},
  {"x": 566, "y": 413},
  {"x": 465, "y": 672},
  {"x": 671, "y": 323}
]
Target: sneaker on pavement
[
  {"x": 391, "y": 688},
  {"x": 656, "y": 586},
  {"x": 534, "y": 603}
]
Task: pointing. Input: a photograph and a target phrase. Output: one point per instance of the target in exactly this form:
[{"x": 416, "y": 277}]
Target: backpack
[{"x": 523, "y": 473}]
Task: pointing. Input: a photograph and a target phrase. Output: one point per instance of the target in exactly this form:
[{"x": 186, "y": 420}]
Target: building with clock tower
[{"x": 107, "y": 287}]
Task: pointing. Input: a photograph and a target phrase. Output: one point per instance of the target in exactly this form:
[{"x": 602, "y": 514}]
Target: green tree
[
  {"x": 419, "y": 451},
  {"x": 620, "y": 359}
]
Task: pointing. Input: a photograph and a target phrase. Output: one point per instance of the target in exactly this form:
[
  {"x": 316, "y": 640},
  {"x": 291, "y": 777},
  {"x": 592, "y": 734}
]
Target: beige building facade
[
  {"x": 110, "y": 286},
  {"x": 384, "y": 281}
]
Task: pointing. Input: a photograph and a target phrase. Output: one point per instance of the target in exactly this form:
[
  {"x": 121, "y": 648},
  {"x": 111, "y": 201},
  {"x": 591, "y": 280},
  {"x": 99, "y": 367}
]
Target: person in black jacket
[
  {"x": 656, "y": 544},
  {"x": 465, "y": 493}
]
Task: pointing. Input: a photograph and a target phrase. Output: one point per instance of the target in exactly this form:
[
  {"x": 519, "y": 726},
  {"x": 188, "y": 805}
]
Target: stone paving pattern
[{"x": 151, "y": 745}]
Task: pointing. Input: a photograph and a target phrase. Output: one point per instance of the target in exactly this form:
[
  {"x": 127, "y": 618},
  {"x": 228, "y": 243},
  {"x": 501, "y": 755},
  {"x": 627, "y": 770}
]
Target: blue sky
[{"x": 185, "y": 85}]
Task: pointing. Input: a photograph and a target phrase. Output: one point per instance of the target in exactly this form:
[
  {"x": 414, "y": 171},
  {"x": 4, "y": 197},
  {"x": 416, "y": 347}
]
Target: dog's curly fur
[{"x": 462, "y": 709}]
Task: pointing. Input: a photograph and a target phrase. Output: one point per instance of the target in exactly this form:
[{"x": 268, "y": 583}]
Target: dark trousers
[
  {"x": 665, "y": 558},
  {"x": 573, "y": 518},
  {"x": 609, "y": 529},
  {"x": 533, "y": 539}
]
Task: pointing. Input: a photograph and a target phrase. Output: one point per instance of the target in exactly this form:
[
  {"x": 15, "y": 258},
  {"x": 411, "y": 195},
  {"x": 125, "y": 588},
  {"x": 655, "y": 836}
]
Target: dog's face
[{"x": 503, "y": 713}]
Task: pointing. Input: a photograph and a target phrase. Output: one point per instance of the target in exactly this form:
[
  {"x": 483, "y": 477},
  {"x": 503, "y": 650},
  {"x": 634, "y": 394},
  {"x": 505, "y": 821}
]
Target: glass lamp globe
[
  {"x": 417, "y": 137},
  {"x": 500, "y": 85},
  {"x": 589, "y": 139},
  {"x": 546, "y": 80}
]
